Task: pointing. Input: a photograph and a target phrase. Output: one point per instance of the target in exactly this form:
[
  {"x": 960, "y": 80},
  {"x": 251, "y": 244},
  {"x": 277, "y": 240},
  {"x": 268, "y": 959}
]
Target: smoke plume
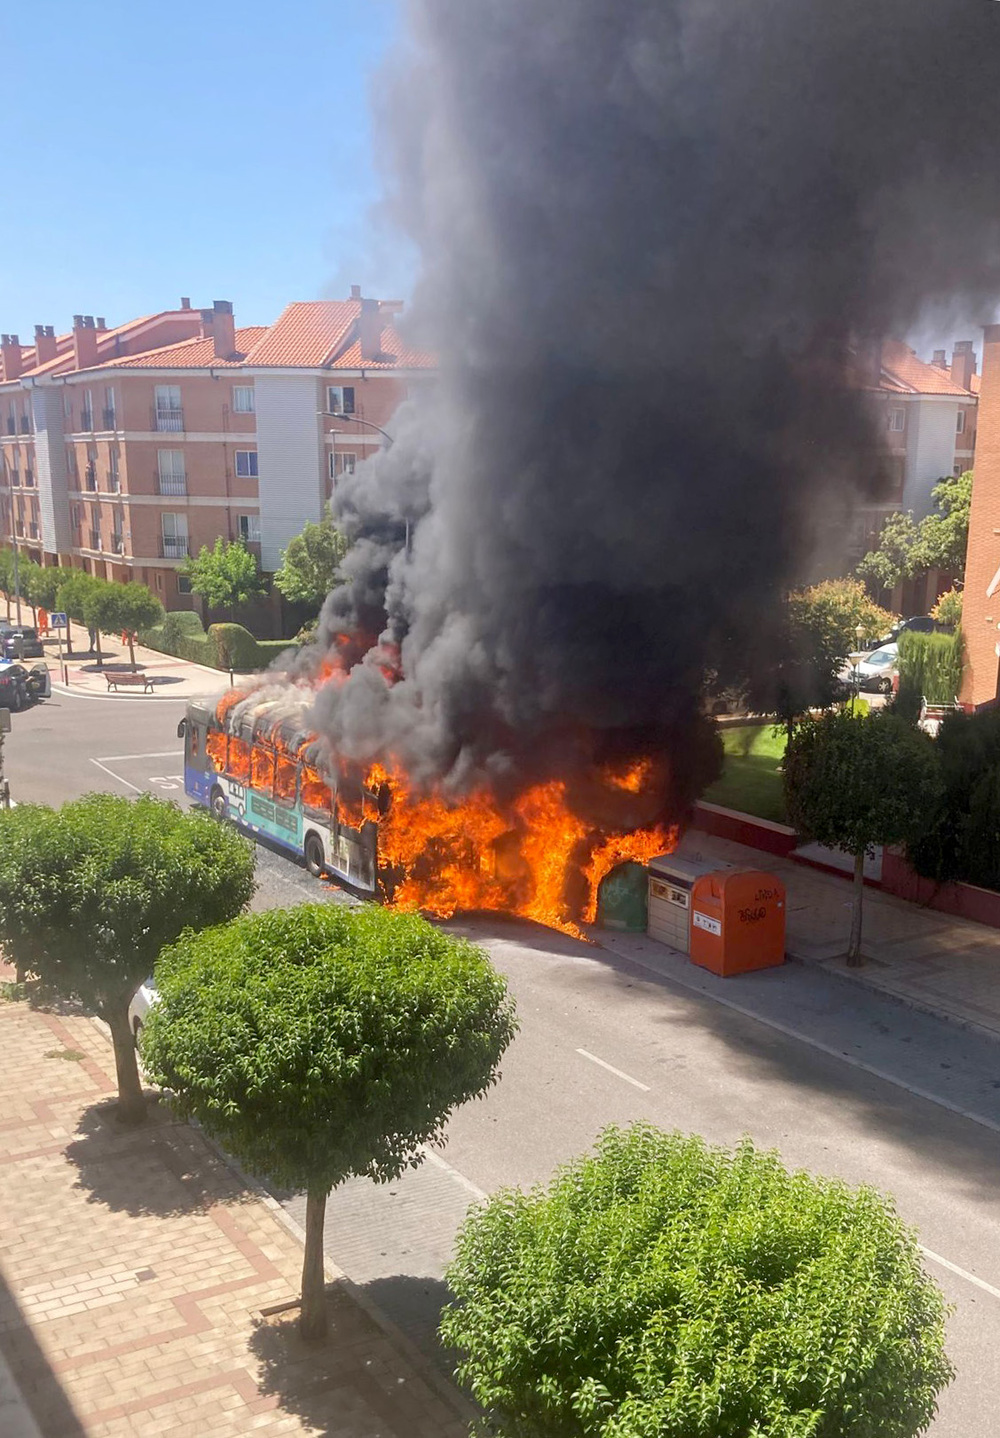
[{"x": 651, "y": 233}]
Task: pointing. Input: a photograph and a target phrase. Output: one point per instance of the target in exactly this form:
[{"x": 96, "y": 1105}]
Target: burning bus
[{"x": 254, "y": 759}]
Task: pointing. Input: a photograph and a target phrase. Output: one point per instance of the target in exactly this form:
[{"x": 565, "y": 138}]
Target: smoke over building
[{"x": 650, "y": 232}]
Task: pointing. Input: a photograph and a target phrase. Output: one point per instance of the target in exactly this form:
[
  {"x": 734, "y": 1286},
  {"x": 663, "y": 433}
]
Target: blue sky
[{"x": 202, "y": 148}]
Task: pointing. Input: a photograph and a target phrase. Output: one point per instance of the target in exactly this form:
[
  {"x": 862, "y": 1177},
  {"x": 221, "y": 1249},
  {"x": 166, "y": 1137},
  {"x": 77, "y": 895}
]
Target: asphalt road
[{"x": 840, "y": 1080}]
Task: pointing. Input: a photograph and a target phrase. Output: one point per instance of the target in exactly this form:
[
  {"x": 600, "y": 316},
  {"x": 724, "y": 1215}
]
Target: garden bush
[
  {"x": 665, "y": 1289},
  {"x": 931, "y": 664},
  {"x": 960, "y": 839},
  {"x": 182, "y": 635}
]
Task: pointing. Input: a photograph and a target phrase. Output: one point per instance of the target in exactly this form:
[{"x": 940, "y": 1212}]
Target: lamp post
[
  {"x": 369, "y": 424},
  {"x": 859, "y": 635}
]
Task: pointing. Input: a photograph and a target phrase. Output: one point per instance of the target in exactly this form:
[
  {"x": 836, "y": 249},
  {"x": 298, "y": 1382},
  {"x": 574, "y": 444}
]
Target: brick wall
[{"x": 981, "y": 612}]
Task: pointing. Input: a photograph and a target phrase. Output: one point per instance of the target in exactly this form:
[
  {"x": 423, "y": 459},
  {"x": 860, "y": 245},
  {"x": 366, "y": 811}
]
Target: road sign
[{"x": 58, "y": 621}]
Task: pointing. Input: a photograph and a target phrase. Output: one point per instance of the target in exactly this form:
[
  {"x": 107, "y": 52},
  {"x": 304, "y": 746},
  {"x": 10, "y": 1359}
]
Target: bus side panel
[{"x": 197, "y": 784}]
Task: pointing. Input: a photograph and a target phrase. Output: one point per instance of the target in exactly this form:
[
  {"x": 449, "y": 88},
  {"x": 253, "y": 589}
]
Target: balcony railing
[
  {"x": 114, "y": 483},
  {"x": 90, "y": 478},
  {"x": 25, "y": 424},
  {"x": 12, "y": 426},
  {"x": 108, "y": 417},
  {"x": 95, "y": 539},
  {"x": 173, "y": 548},
  {"x": 29, "y": 478},
  {"x": 168, "y": 419},
  {"x": 117, "y": 544},
  {"x": 87, "y": 419},
  {"x": 172, "y": 484},
  {"x": 32, "y": 531}
]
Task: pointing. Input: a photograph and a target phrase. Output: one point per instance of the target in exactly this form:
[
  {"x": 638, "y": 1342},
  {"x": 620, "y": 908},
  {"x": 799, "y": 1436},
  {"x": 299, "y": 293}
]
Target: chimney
[
  {"x": 940, "y": 359},
  {"x": 223, "y": 328},
  {"x": 46, "y": 347},
  {"x": 10, "y": 349},
  {"x": 84, "y": 342},
  {"x": 185, "y": 302},
  {"x": 355, "y": 292},
  {"x": 101, "y": 323},
  {"x": 205, "y": 329},
  {"x": 370, "y": 330},
  {"x": 963, "y": 364},
  {"x": 868, "y": 357}
]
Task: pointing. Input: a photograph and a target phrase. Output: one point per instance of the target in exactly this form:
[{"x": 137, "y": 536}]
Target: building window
[
  {"x": 169, "y": 414},
  {"x": 183, "y": 584},
  {"x": 174, "y": 535},
  {"x": 110, "y": 408},
  {"x": 249, "y": 528},
  {"x": 340, "y": 399},
  {"x": 87, "y": 410},
  {"x": 246, "y": 464},
  {"x": 960, "y": 422},
  {"x": 897, "y": 420},
  {"x": 243, "y": 399},
  {"x": 171, "y": 478},
  {"x": 114, "y": 482}
]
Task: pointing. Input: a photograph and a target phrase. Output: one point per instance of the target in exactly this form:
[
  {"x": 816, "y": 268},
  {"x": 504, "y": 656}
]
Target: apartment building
[
  {"x": 125, "y": 450},
  {"x": 928, "y": 412},
  {"x": 981, "y": 599}
]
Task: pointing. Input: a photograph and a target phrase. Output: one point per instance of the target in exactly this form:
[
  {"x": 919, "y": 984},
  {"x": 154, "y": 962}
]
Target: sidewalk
[
  {"x": 138, "y": 1271},
  {"x": 927, "y": 959},
  {"x": 171, "y": 678}
]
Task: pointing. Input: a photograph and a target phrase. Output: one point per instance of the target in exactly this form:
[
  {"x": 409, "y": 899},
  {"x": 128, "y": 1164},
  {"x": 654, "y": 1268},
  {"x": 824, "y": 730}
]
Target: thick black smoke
[{"x": 651, "y": 230}]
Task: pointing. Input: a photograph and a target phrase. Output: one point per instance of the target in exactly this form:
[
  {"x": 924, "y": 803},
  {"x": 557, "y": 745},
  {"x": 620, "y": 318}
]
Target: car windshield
[{"x": 881, "y": 658}]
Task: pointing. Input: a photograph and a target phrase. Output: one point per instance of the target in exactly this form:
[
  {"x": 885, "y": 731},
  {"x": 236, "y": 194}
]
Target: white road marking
[
  {"x": 612, "y": 1070},
  {"x": 439, "y": 1162},
  {"x": 120, "y": 758},
  {"x": 962, "y": 1273},
  {"x": 117, "y": 777}
]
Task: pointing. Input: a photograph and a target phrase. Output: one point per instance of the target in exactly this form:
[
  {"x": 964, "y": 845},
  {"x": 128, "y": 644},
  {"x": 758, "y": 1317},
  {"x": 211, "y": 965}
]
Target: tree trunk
[
  {"x": 313, "y": 1320},
  {"x": 131, "y": 649},
  {"x": 131, "y": 1102},
  {"x": 855, "y": 958},
  {"x": 100, "y": 656}
]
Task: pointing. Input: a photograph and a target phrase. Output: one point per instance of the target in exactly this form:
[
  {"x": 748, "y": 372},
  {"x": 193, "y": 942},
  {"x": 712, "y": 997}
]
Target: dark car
[
  {"x": 20, "y": 641},
  {"x": 919, "y": 624},
  {"x": 20, "y": 686}
]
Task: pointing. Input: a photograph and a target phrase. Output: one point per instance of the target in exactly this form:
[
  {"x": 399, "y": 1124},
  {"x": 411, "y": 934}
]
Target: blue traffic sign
[{"x": 58, "y": 621}]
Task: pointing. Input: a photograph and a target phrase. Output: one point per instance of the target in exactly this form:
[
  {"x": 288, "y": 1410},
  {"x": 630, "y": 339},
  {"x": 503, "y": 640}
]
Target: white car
[
  {"x": 873, "y": 671},
  {"x": 145, "y": 996}
]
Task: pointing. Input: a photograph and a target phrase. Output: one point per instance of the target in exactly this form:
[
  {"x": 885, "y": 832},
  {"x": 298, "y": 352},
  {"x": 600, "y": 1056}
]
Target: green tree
[
  {"x": 855, "y": 781},
  {"x": 226, "y": 575},
  {"x": 101, "y": 611},
  {"x": 90, "y": 893},
  {"x": 892, "y": 561},
  {"x": 7, "y": 575},
  {"x": 137, "y": 608},
  {"x": 944, "y": 534},
  {"x": 948, "y": 609},
  {"x": 321, "y": 1043},
  {"x": 44, "y": 585},
  {"x": 660, "y": 1286},
  {"x": 72, "y": 597},
  {"x": 309, "y": 566},
  {"x": 29, "y": 574}
]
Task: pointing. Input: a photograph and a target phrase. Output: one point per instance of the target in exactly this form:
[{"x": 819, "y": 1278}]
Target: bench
[{"x": 129, "y": 681}]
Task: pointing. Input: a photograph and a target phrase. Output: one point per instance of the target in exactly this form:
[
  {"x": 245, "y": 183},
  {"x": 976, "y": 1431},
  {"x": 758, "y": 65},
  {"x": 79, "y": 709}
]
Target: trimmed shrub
[
  {"x": 665, "y": 1287},
  {"x": 182, "y": 635},
  {"x": 931, "y": 664},
  {"x": 960, "y": 839}
]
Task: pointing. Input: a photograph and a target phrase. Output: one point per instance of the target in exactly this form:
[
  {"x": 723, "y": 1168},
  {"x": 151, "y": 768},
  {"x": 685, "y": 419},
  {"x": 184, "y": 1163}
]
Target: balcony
[
  {"x": 12, "y": 426},
  {"x": 87, "y": 419},
  {"x": 32, "y": 531},
  {"x": 29, "y": 478},
  {"x": 171, "y": 484},
  {"x": 25, "y": 424},
  {"x": 117, "y": 544},
  {"x": 90, "y": 478},
  {"x": 173, "y": 548},
  {"x": 95, "y": 539},
  {"x": 168, "y": 420},
  {"x": 108, "y": 417}
]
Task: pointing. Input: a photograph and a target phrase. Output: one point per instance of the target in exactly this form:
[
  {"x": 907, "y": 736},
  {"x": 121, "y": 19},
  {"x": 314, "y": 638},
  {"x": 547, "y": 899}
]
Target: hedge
[
  {"x": 931, "y": 665},
  {"x": 224, "y": 646}
]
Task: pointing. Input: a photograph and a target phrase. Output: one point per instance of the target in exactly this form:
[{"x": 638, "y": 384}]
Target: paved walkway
[
  {"x": 138, "y": 1271},
  {"x": 172, "y": 678},
  {"x": 934, "y": 962}
]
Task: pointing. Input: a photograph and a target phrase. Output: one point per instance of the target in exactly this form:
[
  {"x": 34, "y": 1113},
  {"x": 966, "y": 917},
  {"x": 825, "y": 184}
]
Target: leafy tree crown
[
  {"x": 661, "y": 1287},
  {"x": 225, "y": 575},
  {"x": 310, "y": 564},
  {"x": 89, "y": 893},
  {"x": 326, "y": 1041}
]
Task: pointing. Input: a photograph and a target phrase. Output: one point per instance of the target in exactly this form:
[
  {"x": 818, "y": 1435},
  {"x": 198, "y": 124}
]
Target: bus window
[
  {"x": 286, "y": 777},
  {"x": 215, "y": 746},
  {"x": 262, "y": 769},
  {"x": 239, "y": 760},
  {"x": 315, "y": 793}
]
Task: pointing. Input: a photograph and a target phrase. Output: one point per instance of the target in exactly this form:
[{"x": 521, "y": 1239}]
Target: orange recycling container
[{"x": 738, "y": 921}]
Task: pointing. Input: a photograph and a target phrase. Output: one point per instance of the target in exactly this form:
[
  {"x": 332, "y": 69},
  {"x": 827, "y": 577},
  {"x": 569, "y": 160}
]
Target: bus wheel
[
  {"x": 315, "y": 859},
  {"x": 219, "y": 805}
]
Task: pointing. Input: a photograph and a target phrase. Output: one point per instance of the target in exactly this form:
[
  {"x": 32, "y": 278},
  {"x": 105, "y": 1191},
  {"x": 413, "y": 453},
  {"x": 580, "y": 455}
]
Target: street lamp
[
  {"x": 859, "y": 635},
  {"x": 369, "y": 424}
]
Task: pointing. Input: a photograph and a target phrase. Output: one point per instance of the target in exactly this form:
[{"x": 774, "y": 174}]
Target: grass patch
[{"x": 751, "y": 780}]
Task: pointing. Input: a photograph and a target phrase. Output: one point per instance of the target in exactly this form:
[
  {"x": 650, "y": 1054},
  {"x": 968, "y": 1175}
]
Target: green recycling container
[{"x": 621, "y": 899}]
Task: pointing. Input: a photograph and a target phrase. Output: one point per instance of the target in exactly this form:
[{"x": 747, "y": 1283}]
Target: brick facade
[{"x": 981, "y": 605}]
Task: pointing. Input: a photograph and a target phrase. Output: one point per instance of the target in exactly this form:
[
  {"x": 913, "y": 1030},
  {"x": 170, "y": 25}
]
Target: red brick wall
[{"x": 981, "y": 613}]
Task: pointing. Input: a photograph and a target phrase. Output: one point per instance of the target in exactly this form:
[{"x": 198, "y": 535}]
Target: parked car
[
  {"x": 919, "y": 624},
  {"x": 20, "y": 686},
  {"x": 20, "y": 641},
  {"x": 873, "y": 672},
  {"x": 145, "y": 996}
]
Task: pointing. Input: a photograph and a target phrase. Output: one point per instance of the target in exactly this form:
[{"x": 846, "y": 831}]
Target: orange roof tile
[
  {"x": 393, "y": 355},
  {"x": 901, "y": 366},
  {"x": 192, "y": 354},
  {"x": 306, "y": 334},
  {"x": 109, "y": 341}
]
